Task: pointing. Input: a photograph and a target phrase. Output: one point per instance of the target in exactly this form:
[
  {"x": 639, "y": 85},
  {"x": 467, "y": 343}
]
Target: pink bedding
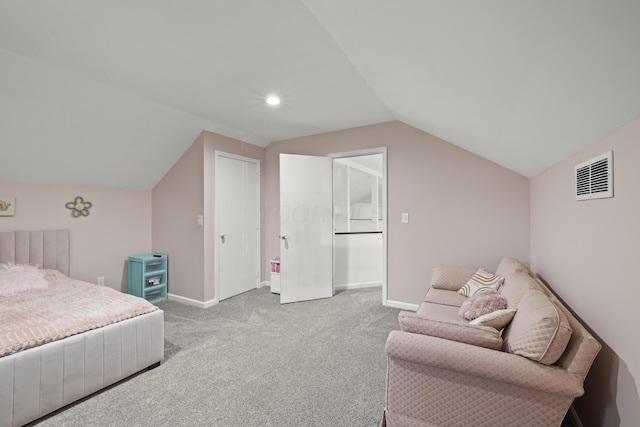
[{"x": 67, "y": 307}]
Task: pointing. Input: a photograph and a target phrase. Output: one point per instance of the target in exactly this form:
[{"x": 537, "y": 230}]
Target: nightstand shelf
[{"x": 148, "y": 276}]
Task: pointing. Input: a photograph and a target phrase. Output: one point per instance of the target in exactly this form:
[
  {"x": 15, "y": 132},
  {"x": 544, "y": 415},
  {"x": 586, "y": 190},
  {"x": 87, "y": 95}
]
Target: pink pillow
[
  {"x": 482, "y": 303},
  {"x": 17, "y": 278}
]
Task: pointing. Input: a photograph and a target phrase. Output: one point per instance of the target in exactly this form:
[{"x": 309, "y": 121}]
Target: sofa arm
[
  {"x": 451, "y": 278},
  {"x": 483, "y": 336},
  {"x": 492, "y": 365}
]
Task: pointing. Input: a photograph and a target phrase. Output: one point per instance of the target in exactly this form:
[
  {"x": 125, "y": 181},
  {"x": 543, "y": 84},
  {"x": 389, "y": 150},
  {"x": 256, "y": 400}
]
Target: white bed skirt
[{"x": 40, "y": 380}]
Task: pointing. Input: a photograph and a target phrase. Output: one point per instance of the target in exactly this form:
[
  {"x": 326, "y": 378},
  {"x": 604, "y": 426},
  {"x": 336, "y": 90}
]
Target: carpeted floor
[{"x": 250, "y": 361}]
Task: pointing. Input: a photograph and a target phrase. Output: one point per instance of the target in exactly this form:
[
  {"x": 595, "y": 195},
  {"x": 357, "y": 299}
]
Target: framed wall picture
[{"x": 7, "y": 205}]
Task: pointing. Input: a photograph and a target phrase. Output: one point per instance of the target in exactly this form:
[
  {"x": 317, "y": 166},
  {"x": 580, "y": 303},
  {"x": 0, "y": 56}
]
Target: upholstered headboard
[{"x": 47, "y": 248}]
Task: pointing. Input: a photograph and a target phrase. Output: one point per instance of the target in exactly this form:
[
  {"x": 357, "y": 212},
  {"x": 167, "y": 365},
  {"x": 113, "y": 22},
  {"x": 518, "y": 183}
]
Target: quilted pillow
[
  {"x": 482, "y": 303},
  {"x": 496, "y": 319},
  {"x": 480, "y": 282},
  {"x": 17, "y": 278},
  {"x": 538, "y": 331},
  {"x": 450, "y": 278}
]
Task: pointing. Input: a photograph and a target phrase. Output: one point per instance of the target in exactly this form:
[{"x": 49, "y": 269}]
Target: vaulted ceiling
[{"x": 111, "y": 93}]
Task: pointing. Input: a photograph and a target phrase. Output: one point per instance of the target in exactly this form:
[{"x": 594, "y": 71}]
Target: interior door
[
  {"x": 237, "y": 224},
  {"x": 306, "y": 228}
]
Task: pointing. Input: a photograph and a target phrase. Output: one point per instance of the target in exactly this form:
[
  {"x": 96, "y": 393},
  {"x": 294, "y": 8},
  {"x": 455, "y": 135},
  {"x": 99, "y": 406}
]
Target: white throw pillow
[{"x": 496, "y": 319}]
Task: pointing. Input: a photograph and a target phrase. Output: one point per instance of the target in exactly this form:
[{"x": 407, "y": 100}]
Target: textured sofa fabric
[
  {"x": 442, "y": 371},
  {"x": 540, "y": 332},
  {"x": 483, "y": 336}
]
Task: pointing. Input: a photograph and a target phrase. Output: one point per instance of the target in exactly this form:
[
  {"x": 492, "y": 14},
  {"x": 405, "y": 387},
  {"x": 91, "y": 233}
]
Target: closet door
[
  {"x": 306, "y": 228},
  {"x": 237, "y": 224}
]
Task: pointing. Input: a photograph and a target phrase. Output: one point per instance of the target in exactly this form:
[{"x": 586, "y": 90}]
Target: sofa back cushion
[
  {"x": 539, "y": 330},
  {"x": 441, "y": 296},
  {"x": 515, "y": 286},
  {"x": 508, "y": 266}
]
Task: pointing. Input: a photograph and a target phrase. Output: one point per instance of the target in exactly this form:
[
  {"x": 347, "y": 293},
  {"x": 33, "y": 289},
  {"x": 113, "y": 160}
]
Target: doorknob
[
  {"x": 284, "y": 236},
  {"x": 223, "y": 237}
]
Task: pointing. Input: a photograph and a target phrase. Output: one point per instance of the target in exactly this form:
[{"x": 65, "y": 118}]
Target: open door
[{"x": 306, "y": 228}]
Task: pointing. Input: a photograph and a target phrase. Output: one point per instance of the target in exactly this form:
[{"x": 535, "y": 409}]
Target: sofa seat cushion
[
  {"x": 441, "y": 296},
  {"x": 538, "y": 331},
  {"x": 440, "y": 311},
  {"x": 482, "y": 336}
]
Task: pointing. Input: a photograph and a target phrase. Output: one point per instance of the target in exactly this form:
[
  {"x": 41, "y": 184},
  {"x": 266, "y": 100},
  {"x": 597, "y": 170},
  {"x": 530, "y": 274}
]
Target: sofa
[{"x": 444, "y": 370}]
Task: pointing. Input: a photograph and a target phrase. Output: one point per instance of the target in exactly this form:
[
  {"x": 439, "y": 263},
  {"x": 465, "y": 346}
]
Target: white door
[
  {"x": 306, "y": 228},
  {"x": 237, "y": 206}
]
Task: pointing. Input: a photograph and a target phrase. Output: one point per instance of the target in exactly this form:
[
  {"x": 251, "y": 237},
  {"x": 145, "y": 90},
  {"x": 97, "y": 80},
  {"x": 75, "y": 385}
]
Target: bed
[{"x": 46, "y": 368}]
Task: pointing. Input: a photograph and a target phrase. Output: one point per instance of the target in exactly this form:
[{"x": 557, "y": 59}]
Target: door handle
[
  {"x": 223, "y": 237},
  {"x": 284, "y": 236}
]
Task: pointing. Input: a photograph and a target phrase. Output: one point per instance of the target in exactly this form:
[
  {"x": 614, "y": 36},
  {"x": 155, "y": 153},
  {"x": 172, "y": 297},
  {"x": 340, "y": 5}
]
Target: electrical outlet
[{"x": 101, "y": 280}]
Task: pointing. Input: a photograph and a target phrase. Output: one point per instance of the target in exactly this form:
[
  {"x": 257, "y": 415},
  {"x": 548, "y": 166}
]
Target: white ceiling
[{"x": 111, "y": 93}]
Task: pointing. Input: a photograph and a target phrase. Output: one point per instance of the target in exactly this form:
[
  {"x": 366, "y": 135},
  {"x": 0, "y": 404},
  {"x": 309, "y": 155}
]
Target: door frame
[
  {"x": 217, "y": 231},
  {"x": 365, "y": 152}
]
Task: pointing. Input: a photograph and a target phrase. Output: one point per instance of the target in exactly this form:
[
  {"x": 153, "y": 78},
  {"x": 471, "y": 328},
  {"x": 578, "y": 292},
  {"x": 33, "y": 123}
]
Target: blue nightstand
[{"x": 148, "y": 277}]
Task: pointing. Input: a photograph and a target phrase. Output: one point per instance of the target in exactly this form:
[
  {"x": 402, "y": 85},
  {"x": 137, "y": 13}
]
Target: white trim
[
  {"x": 402, "y": 305},
  {"x": 358, "y": 286},
  {"x": 217, "y": 183},
  {"x": 192, "y": 302},
  {"x": 354, "y": 165},
  {"x": 385, "y": 228}
]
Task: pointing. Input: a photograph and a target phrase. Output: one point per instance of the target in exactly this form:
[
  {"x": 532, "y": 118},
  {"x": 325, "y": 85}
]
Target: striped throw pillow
[{"x": 480, "y": 282}]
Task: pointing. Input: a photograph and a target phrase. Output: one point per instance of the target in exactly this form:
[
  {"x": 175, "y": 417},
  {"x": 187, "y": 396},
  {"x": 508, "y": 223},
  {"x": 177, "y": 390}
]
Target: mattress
[{"x": 67, "y": 307}]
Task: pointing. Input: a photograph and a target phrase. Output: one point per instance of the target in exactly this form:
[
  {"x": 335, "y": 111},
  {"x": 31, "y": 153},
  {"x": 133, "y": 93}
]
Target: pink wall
[
  {"x": 588, "y": 252},
  {"x": 177, "y": 200},
  {"x": 117, "y": 226},
  {"x": 464, "y": 210},
  {"x": 185, "y": 192}
]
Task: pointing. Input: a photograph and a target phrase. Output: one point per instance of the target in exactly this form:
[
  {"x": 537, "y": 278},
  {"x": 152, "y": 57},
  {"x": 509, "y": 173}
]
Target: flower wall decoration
[
  {"x": 79, "y": 207},
  {"x": 7, "y": 205}
]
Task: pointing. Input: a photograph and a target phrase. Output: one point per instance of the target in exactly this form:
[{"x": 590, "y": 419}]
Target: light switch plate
[{"x": 405, "y": 218}]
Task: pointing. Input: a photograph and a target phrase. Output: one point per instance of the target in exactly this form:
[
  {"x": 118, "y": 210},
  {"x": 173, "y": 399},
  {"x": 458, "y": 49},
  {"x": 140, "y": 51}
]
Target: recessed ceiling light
[{"x": 273, "y": 100}]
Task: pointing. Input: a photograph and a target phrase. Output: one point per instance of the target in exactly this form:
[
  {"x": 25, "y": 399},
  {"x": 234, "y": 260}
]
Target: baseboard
[
  {"x": 402, "y": 305},
  {"x": 574, "y": 417},
  {"x": 358, "y": 286},
  {"x": 192, "y": 302}
]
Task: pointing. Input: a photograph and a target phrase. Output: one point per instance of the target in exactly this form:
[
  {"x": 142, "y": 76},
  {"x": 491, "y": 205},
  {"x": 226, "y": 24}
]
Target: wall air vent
[{"x": 594, "y": 178}]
